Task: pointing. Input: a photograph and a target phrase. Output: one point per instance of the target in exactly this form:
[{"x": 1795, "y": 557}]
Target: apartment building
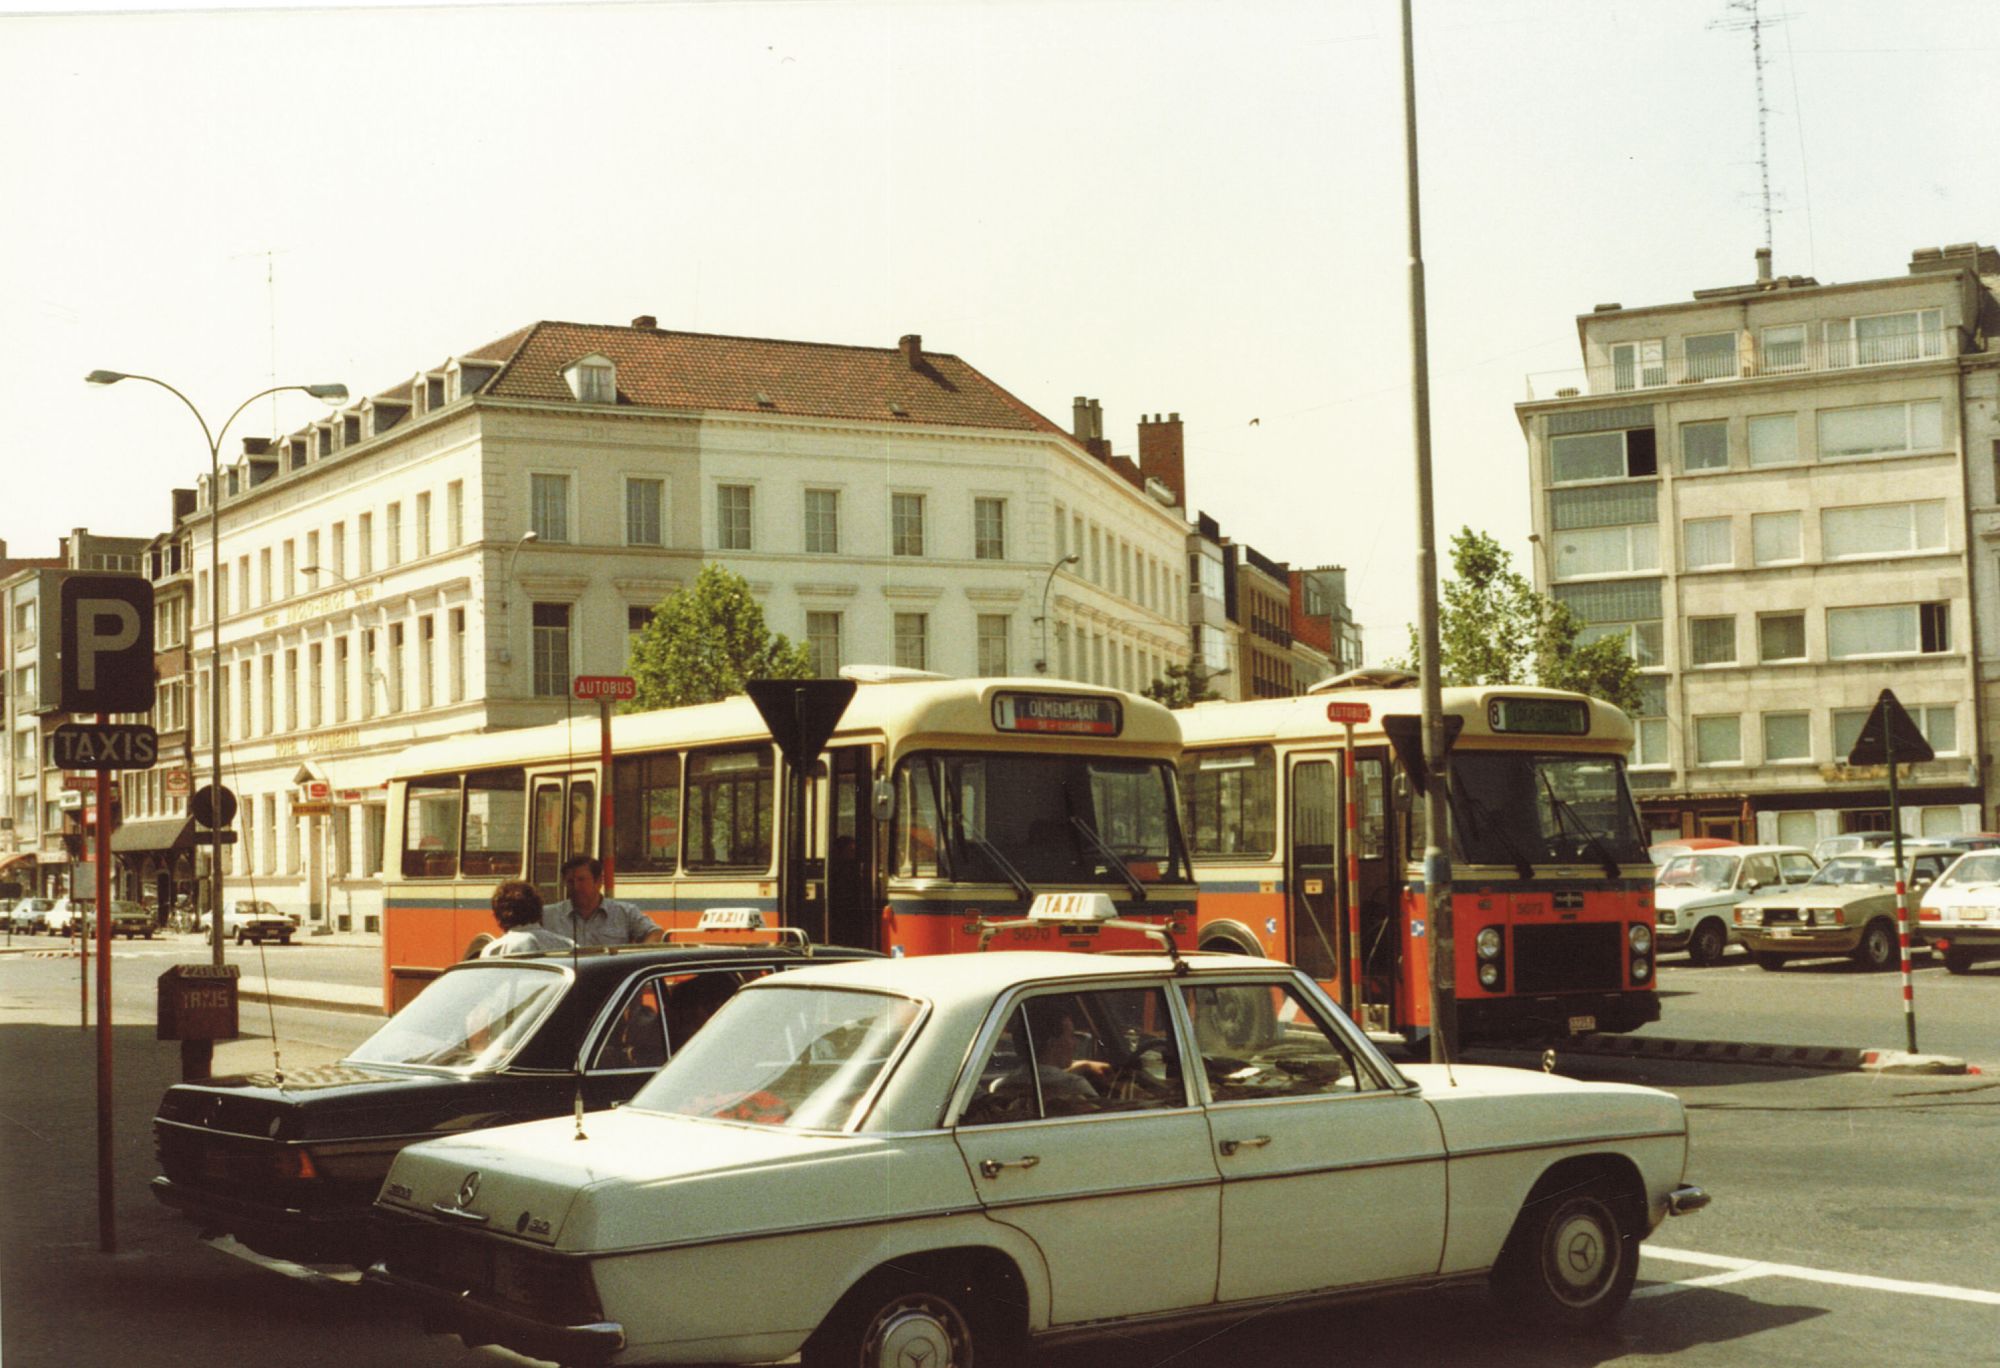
[
  {"x": 1781, "y": 496},
  {"x": 444, "y": 556}
]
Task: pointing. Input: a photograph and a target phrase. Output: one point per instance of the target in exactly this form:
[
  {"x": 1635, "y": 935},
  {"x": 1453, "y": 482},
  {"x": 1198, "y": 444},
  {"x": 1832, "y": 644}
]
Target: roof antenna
[
  {"x": 1754, "y": 22},
  {"x": 569, "y": 739}
]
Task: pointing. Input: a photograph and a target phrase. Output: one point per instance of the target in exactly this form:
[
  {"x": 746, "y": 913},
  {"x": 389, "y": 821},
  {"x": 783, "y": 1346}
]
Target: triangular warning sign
[
  {"x": 1889, "y": 735},
  {"x": 801, "y": 713}
]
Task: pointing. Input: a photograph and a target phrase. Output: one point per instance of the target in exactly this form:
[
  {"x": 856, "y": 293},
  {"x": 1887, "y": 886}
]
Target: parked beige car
[{"x": 1848, "y": 908}]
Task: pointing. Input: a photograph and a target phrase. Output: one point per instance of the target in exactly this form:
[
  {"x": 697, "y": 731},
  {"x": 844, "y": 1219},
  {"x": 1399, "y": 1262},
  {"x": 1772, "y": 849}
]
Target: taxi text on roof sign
[{"x": 1067, "y": 714}]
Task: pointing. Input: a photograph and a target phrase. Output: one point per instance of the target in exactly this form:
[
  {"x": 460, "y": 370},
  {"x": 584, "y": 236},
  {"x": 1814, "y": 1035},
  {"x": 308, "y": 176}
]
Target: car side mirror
[{"x": 1752, "y": 885}]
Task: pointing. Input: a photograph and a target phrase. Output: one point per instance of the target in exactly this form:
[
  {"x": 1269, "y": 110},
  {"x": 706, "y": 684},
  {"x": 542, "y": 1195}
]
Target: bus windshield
[
  {"x": 1035, "y": 821},
  {"x": 1512, "y": 808}
]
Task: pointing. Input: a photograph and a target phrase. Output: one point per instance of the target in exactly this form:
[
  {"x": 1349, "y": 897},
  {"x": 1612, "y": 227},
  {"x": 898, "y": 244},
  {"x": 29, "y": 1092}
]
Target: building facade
[
  {"x": 444, "y": 556},
  {"x": 1781, "y": 496}
]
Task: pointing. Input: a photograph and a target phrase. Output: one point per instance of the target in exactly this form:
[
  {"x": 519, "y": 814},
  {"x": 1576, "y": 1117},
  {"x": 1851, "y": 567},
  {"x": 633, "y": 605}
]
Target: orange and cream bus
[
  {"x": 1552, "y": 889},
  {"x": 935, "y": 803}
]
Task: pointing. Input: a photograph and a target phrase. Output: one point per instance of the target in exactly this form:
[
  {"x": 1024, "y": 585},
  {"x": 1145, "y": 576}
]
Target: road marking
[{"x": 1738, "y": 1270}]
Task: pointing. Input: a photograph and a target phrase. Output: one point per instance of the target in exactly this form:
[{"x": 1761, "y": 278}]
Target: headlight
[
  {"x": 1749, "y": 916},
  {"x": 1489, "y": 946},
  {"x": 1829, "y": 916},
  {"x": 1666, "y": 916},
  {"x": 1642, "y": 939},
  {"x": 1489, "y": 975},
  {"x": 1642, "y": 969}
]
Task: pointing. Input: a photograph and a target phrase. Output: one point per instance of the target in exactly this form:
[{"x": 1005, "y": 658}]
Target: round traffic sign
[{"x": 207, "y": 811}]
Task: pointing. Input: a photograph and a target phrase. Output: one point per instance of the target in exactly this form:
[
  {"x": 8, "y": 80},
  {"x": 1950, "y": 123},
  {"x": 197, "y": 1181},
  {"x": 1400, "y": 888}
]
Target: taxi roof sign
[
  {"x": 1072, "y": 909},
  {"x": 731, "y": 919}
]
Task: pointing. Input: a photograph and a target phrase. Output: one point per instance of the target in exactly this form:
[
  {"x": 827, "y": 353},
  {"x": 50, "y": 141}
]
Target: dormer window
[
  {"x": 296, "y": 453},
  {"x": 593, "y": 380},
  {"x": 326, "y": 441},
  {"x": 472, "y": 379},
  {"x": 350, "y": 429},
  {"x": 433, "y": 393}
]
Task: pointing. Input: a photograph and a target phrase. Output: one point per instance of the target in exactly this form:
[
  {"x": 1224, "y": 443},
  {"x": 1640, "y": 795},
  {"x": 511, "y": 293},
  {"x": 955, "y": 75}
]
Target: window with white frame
[
  {"x": 1783, "y": 348},
  {"x": 424, "y": 524},
  {"x": 1775, "y": 538},
  {"x": 992, "y": 636},
  {"x": 265, "y": 588},
  {"x": 315, "y": 700},
  {"x": 594, "y": 380},
  {"x": 989, "y": 530},
  {"x": 392, "y": 534},
  {"x": 913, "y": 641},
  {"x": 1781, "y": 636},
  {"x": 1880, "y": 430},
  {"x": 427, "y": 661},
  {"x": 1607, "y": 550},
  {"x": 457, "y": 643},
  {"x": 732, "y": 517},
  {"x": 1718, "y": 740},
  {"x": 1938, "y": 724},
  {"x": 906, "y": 524},
  {"x": 339, "y": 679},
  {"x": 1649, "y": 743},
  {"x": 1787, "y": 737},
  {"x": 823, "y": 522},
  {"x": 1709, "y": 356},
  {"x": 1888, "y": 629},
  {"x": 1643, "y": 641},
  {"x": 645, "y": 512},
  {"x": 823, "y": 644},
  {"x": 1712, "y": 641},
  {"x": 1882, "y": 529},
  {"x": 1708, "y": 543},
  {"x": 1627, "y": 453},
  {"x": 1705, "y": 446},
  {"x": 1882, "y": 339},
  {"x": 548, "y": 507},
  {"x": 1774, "y": 439},
  {"x": 551, "y": 667},
  {"x": 1636, "y": 365},
  {"x": 364, "y": 544}
]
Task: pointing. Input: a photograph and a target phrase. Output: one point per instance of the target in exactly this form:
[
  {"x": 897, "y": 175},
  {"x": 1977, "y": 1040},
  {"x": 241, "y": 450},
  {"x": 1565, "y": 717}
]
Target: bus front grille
[{"x": 1569, "y": 958}]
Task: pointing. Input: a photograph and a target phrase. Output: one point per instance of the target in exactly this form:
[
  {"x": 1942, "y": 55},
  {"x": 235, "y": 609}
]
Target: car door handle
[
  {"x": 990, "y": 1168},
  {"x": 1254, "y": 1142}
]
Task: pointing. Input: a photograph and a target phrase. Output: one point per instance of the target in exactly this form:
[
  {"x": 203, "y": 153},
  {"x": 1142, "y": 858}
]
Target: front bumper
[
  {"x": 1555, "y": 1017},
  {"x": 1686, "y": 1200},
  {"x": 456, "y": 1312},
  {"x": 1799, "y": 940}
]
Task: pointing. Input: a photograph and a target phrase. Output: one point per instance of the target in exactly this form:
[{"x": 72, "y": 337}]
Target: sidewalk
[{"x": 251, "y": 987}]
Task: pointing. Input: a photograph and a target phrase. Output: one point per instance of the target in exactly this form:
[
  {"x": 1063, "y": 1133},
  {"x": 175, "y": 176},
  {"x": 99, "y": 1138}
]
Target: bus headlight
[
  {"x": 1642, "y": 969},
  {"x": 1491, "y": 948},
  {"x": 1489, "y": 943},
  {"x": 1489, "y": 975},
  {"x": 1641, "y": 937},
  {"x": 1639, "y": 952}
]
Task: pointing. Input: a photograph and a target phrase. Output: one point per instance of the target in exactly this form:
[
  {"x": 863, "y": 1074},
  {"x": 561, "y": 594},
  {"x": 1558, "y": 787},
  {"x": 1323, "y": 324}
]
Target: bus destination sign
[
  {"x": 1539, "y": 716},
  {"x": 1063, "y": 714}
]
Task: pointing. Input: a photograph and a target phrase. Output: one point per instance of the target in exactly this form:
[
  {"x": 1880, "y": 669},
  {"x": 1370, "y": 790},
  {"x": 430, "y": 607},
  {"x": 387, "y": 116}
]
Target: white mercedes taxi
[
  {"x": 1960, "y": 913},
  {"x": 951, "y": 1159}
]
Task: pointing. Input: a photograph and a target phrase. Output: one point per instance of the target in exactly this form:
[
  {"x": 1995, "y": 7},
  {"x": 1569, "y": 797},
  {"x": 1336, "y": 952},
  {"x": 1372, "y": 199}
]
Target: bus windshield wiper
[
  {"x": 1488, "y": 824},
  {"x": 1022, "y": 888},
  {"x": 1566, "y": 816},
  {"x": 1116, "y": 860}
]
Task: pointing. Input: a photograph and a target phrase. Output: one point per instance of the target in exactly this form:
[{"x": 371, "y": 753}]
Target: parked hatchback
[
  {"x": 1694, "y": 893},
  {"x": 31, "y": 914},
  {"x": 1960, "y": 913}
]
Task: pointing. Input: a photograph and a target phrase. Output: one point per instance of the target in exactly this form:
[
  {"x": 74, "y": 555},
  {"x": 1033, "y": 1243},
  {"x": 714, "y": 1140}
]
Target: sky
[{"x": 1166, "y": 205}]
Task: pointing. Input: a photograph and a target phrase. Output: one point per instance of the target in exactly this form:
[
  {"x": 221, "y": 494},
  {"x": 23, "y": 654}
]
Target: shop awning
[
  {"x": 160, "y": 833},
  {"x": 9, "y": 861}
]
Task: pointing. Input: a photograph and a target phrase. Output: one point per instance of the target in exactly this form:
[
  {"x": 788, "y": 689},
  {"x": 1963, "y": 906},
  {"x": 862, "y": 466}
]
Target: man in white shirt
[
  {"x": 589, "y": 918},
  {"x": 517, "y": 910}
]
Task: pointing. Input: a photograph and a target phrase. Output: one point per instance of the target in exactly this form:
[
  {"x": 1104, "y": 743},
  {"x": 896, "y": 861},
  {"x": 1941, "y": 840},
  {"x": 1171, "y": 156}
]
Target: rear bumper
[
  {"x": 477, "y": 1322},
  {"x": 338, "y": 1235}
]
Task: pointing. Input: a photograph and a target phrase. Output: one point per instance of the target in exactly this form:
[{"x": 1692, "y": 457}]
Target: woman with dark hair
[{"x": 517, "y": 910}]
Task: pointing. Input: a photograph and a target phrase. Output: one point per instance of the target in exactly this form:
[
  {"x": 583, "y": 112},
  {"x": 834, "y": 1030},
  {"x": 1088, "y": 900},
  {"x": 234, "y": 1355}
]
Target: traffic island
[{"x": 1838, "y": 1058}]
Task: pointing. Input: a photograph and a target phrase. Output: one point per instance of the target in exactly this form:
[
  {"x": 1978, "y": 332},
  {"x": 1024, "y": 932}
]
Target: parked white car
[
  {"x": 1692, "y": 895},
  {"x": 31, "y": 914},
  {"x": 1960, "y": 912},
  {"x": 71, "y": 914},
  {"x": 946, "y": 1160}
]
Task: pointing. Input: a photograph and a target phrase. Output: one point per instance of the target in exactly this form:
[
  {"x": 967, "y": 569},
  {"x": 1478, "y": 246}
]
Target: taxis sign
[{"x": 1058, "y": 714}]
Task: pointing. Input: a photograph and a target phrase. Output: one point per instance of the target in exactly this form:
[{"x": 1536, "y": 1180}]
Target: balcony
[{"x": 1631, "y": 375}]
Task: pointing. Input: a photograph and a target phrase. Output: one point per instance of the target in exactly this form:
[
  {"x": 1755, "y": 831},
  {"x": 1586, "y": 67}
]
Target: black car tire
[
  {"x": 1876, "y": 950},
  {"x": 1768, "y": 959},
  {"x": 1708, "y": 943},
  {"x": 1569, "y": 1263},
  {"x": 1957, "y": 961},
  {"x": 239, "y": 938},
  {"x": 893, "y": 1319}
]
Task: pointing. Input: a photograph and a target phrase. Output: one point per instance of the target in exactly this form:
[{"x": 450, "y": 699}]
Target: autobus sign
[
  {"x": 590, "y": 687},
  {"x": 1057, "y": 714},
  {"x": 1348, "y": 714},
  {"x": 1539, "y": 716}
]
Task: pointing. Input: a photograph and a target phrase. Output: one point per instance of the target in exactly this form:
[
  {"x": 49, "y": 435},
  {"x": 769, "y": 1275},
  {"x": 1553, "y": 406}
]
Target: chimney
[
  {"x": 913, "y": 350},
  {"x": 645, "y": 321},
  {"x": 1162, "y": 453},
  {"x": 1763, "y": 265}
]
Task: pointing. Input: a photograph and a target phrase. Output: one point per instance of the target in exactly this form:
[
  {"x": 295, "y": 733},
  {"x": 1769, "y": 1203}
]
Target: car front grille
[{"x": 1569, "y": 958}]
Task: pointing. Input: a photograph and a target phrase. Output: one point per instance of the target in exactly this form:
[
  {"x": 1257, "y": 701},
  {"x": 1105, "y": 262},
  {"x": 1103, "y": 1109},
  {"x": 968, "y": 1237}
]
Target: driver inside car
[{"x": 1067, "y": 1082}]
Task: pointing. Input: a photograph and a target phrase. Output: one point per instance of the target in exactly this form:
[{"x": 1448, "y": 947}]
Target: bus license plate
[{"x": 1580, "y": 1024}]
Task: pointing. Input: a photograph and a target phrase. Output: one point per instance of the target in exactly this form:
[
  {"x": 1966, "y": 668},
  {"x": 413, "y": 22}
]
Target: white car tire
[
  {"x": 891, "y": 1320},
  {"x": 1569, "y": 1263}
]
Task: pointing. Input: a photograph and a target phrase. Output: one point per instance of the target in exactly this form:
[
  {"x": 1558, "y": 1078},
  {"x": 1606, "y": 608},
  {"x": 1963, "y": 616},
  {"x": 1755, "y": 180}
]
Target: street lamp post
[
  {"x": 333, "y": 394},
  {"x": 1042, "y": 665}
]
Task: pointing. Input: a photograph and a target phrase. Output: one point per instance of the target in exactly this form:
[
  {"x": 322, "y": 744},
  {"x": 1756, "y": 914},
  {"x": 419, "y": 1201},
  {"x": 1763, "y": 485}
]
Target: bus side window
[
  {"x": 916, "y": 822},
  {"x": 1372, "y": 840}
]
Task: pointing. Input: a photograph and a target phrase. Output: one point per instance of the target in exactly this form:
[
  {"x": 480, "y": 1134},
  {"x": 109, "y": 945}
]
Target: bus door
[
  {"x": 1381, "y": 890},
  {"x": 562, "y": 822},
  {"x": 1313, "y": 878},
  {"x": 852, "y": 905}
]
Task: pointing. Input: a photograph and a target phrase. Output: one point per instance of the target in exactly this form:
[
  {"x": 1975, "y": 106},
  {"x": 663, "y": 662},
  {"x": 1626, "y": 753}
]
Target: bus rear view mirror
[{"x": 885, "y": 799}]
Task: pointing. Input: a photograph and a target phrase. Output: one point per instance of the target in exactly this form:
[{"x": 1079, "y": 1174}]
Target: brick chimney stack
[
  {"x": 1163, "y": 453},
  {"x": 913, "y": 350}
]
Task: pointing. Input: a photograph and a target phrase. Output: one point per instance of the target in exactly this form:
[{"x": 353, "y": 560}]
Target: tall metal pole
[{"x": 1437, "y": 844}]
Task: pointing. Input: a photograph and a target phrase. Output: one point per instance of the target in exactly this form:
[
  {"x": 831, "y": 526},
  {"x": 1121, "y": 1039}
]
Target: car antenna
[{"x": 569, "y": 740}]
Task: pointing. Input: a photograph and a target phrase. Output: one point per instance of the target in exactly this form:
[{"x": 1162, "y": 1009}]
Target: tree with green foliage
[
  {"x": 704, "y": 641},
  {"x": 1494, "y": 627},
  {"x": 1181, "y": 685}
]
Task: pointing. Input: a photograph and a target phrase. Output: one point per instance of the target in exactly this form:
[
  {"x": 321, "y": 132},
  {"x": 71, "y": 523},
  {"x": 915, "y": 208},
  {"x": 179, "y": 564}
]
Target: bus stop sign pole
[
  {"x": 605, "y": 689},
  {"x": 1888, "y": 733},
  {"x": 1347, "y": 714}
]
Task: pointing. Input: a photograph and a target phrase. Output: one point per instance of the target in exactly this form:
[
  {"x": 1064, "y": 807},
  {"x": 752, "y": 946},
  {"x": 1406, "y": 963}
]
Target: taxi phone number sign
[{"x": 1062, "y": 714}]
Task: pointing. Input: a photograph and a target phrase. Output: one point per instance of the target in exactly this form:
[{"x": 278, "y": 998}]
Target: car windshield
[
  {"x": 471, "y": 1018},
  {"x": 1709, "y": 872},
  {"x": 1043, "y": 819},
  {"x": 1844, "y": 869},
  {"x": 1510, "y": 808},
  {"x": 1973, "y": 869},
  {"x": 806, "y": 1058}
]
